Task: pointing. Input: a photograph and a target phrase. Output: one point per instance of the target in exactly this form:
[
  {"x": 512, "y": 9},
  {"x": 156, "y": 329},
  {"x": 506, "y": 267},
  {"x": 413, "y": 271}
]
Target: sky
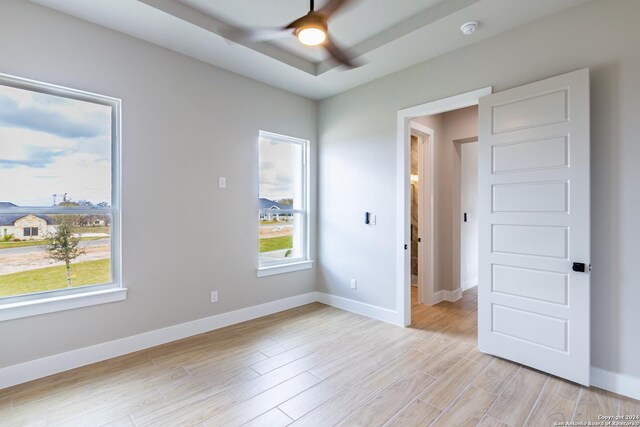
[
  {"x": 53, "y": 145},
  {"x": 277, "y": 168}
]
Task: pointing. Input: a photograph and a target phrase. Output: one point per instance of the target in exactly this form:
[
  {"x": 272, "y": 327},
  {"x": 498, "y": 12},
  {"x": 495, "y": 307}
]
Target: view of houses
[
  {"x": 18, "y": 227},
  {"x": 276, "y": 229},
  {"x": 26, "y": 264}
]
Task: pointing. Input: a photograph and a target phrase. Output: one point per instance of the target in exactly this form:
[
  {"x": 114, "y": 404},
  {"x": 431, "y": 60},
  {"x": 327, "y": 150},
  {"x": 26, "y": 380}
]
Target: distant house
[
  {"x": 275, "y": 211},
  {"x": 24, "y": 226}
]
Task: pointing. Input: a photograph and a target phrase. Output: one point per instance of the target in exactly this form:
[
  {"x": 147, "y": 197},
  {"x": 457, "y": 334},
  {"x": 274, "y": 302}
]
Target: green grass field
[
  {"x": 52, "y": 278},
  {"x": 93, "y": 229},
  {"x": 8, "y": 245},
  {"x": 276, "y": 243}
]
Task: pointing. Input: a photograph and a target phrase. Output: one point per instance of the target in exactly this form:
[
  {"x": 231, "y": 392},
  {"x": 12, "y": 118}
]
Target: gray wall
[
  {"x": 184, "y": 124},
  {"x": 357, "y": 159}
]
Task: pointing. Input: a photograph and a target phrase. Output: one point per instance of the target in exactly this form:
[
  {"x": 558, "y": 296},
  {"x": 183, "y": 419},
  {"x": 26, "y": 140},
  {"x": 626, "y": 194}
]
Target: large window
[
  {"x": 282, "y": 216},
  {"x": 59, "y": 198}
]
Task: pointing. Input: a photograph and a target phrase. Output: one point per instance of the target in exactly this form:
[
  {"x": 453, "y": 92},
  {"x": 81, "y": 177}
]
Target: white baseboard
[
  {"x": 451, "y": 296},
  {"x": 617, "y": 383},
  {"x": 375, "y": 312},
  {"x": 39, "y": 368}
]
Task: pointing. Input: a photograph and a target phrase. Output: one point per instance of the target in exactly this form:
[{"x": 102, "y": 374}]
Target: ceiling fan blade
[
  {"x": 256, "y": 34},
  {"x": 338, "y": 54},
  {"x": 298, "y": 22},
  {"x": 269, "y": 34},
  {"x": 333, "y": 6}
]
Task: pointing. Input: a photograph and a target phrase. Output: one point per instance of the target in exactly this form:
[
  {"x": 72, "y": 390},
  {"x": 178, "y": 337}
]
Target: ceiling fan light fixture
[{"x": 311, "y": 36}]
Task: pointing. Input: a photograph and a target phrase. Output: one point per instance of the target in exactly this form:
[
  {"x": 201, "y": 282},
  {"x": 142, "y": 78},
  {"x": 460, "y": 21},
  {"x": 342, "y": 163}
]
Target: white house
[
  {"x": 270, "y": 211},
  {"x": 25, "y": 227}
]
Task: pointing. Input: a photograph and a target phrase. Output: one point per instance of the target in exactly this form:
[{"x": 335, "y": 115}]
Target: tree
[
  {"x": 64, "y": 246},
  {"x": 71, "y": 219},
  {"x": 286, "y": 202}
]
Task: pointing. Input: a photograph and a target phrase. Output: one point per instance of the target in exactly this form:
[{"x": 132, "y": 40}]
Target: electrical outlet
[
  {"x": 222, "y": 182},
  {"x": 354, "y": 284},
  {"x": 214, "y": 296}
]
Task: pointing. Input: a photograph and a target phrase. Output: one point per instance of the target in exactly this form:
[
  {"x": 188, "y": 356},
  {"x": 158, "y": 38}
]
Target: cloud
[
  {"x": 277, "y": 180},
  {"x": 27, "y": 148},
  {"x": 51, "y": 144},
  {"x": 48, "y": 120},
  {"x": 279, "y": 185},
  {"x": 76, "y": 174},
  {"x": 36, "y": 158},
  {"x": 266, "y": 165}
]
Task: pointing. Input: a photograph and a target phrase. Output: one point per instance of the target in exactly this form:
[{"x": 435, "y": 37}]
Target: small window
[
  {"x": 59, "y": 148},
  {"x": 30, "y": 231},
  {"x": 283, "y": 214}
]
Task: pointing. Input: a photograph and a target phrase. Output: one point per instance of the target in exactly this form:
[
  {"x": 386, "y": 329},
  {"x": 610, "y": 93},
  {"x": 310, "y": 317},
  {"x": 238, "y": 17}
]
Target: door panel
[
  {"x": 534, "y": 223},
  {"x": 531, "y": 197},
  {"x": 530, "y": 240},
  {"x": 529, "y": 155},
  {"x": 532, "y": 111},
  {"x": 529, "y": 283}
]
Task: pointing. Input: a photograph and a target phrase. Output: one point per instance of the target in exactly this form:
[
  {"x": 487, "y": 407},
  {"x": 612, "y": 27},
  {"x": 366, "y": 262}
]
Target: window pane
[
  {"x": 53, "y": 150},
  {"x": 28, "y": 264},
  {"x": 281, "y": 236},
  {"x": 281, "y": 178}
]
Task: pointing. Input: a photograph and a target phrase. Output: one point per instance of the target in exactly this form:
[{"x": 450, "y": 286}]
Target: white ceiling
[{"x": 388, "y": 35}]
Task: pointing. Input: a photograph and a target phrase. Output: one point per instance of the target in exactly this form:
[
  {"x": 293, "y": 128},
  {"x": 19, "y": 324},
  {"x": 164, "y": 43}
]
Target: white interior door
[{"x": 533, "y": 160}]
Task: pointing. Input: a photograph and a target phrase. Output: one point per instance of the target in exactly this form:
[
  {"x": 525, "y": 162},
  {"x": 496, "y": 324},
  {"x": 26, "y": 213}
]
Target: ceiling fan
[{"x": 311, "y": 29}]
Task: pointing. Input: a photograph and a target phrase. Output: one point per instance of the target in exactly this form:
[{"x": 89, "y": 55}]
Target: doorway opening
[
  {"x": 447, "y": 263},
  {"x": 421, "y": 181},
  {"x": 438, "y": 204}
]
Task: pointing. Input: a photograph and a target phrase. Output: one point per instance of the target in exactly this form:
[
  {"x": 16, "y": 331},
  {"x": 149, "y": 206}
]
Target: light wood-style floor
[{"x": 313, "y": 366}]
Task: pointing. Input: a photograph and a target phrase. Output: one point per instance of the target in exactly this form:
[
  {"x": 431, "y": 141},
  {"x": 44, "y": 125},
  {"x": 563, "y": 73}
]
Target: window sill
[
  {"x": 60, "y": 303},
  {"x": 284, "y": 268}
]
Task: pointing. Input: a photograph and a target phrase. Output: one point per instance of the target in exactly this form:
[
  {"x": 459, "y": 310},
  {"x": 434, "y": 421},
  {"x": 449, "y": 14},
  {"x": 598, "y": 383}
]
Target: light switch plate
[{"x": 222, "y": 182}]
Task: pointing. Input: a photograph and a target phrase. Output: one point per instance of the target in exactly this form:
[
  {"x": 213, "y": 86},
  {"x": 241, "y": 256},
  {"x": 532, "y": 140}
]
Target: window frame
[
  {"x": 304, "y": 261},
  {"x": 35, "y": 303}
]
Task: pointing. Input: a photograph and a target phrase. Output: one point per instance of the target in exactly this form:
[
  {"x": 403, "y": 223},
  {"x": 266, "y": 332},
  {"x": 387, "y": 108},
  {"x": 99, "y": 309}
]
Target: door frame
[
  {"x": 426, "y": 212},
  {"x": 403, "y": 188}
]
